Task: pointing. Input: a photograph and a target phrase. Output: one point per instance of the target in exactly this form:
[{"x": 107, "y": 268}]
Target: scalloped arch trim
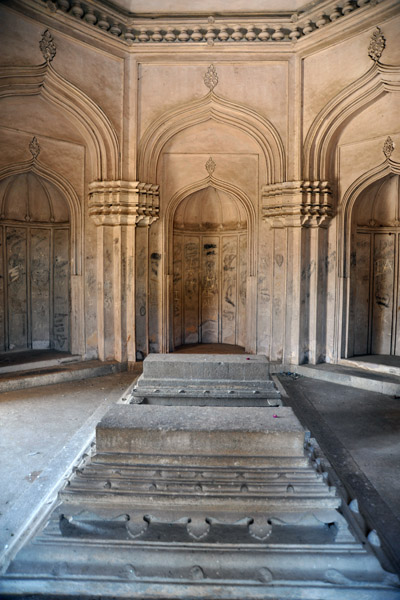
[
  {"x": 211, "y": 107},
  {"x": 318, "y": 146},
  {"x": 100, "y": 134}
]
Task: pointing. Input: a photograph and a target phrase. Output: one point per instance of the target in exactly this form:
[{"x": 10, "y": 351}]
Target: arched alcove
[
  {"x": 35, "y": 264},
  {"x": 209, "y": 269},
  {"x": 374, "y": 292}
]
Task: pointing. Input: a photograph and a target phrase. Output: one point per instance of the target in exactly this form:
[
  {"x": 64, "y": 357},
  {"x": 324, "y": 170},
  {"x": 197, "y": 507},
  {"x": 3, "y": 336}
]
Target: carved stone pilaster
[
  {"x": 123, "y": 202},
  {"x": 297, "y": 204}
]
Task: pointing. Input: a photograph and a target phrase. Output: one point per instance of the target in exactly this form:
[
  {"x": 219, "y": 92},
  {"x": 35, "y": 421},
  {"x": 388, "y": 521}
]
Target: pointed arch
[
  {"x": 252, "y": 241},
  {"x": 224, "y": 186},
  {"x": 345, "y": 214},
  {"x": 76, "y": 242},
  {"x": 318, "y": 146},
  {"x": 68, "y": 193},
  {"x": 43, "y": 80},
  {"x": 388, "y": 167},
  {"x": 211, "y": 107}
]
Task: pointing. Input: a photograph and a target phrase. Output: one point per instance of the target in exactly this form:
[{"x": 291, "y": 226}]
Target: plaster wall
[{"x": 129, "y": 131}]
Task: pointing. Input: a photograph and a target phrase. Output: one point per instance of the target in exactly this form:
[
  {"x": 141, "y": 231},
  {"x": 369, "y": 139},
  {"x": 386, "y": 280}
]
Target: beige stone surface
[
  {"x": 207, "y": 431},
  {"x": 126, "y": 125}
]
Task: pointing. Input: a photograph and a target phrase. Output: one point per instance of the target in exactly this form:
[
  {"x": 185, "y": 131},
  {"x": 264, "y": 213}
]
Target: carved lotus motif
[
  {"x": 210, "y": 166},
  {"x": 388, "y": 147},
  {"x": 211, "y": 78},
  {"x": 47, "y": 46},
  {"x": 376, "y": 45},
  {"x": 34, "y": 147}
]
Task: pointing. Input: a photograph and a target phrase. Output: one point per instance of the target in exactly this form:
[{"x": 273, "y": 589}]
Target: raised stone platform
[
  {"x": 206, "y": 380},
  {"x": 199, "y": 502}
]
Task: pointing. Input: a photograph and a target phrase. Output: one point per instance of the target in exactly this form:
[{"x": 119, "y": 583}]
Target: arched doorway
[
  {"x": 374, "y": 323},
  {"x": 209, "y": 269},
  {"x": 34, "y": 265}
]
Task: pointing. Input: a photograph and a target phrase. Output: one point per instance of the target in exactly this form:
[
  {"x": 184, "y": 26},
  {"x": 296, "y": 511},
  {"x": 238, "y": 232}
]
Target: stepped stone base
[
  {"x": 199, "y": 502},
  {"x": 206, "y": 380}
]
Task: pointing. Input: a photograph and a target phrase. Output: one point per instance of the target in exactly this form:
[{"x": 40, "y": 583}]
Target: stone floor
[
  {"x": 45, "y": 428},
  {"x": 359, "y": 433}
]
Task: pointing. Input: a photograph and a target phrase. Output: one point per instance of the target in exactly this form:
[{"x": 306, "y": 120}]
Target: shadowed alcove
[
  {"x": 209, "y": 269},
  {"x": 374, "y": 292},
  {"x": 35, "y": 265}
]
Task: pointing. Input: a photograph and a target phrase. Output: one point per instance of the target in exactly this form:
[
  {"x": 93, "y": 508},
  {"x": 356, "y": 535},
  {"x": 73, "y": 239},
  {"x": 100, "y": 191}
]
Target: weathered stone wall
[{"x": 126, "y": 132}]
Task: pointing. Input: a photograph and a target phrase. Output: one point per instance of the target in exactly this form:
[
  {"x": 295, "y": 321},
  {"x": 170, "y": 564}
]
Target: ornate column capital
[
  {"x": 123, "y": 202},
  {"x": 297, "y": 204}
]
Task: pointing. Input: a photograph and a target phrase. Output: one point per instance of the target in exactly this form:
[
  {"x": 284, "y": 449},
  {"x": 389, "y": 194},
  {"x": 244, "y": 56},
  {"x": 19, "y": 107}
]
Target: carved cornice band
[
  {"x": 284, "y": 26},
  {"x": 297, "y": 204},
  {"x": 123, "y": 202}
]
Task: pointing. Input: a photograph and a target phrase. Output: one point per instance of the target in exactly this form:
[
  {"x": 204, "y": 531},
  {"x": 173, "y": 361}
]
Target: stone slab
[
  {"x": 382, "y": 383},
  {"x": 195, "y": 430},
  {"x": 206, "y": 380},
  {"x": 187, "y": 399},
  {"x": 230, "y": 367},
  {"x": 58, "y": 374}
]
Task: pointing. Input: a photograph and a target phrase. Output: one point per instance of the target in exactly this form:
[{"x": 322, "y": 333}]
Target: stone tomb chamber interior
[{"x": 202, "y": 174}]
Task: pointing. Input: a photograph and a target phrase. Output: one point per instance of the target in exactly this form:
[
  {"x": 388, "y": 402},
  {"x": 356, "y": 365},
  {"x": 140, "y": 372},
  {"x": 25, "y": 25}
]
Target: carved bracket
[
  {"x": 123, "y": 202},
  {"x": 297, "y": 204}
]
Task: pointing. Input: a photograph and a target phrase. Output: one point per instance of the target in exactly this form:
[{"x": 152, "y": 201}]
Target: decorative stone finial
[
  {"x": 47, "y": 46},
  {"x": 211, "y": 78},
  {"x": 376, "y": 45},
  {"x": 388, "y": 147},
  {"x": 34, "y": 148},
  {"x": 210, "y": 166}
]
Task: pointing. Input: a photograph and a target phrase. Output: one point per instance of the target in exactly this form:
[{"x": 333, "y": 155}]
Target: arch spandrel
[
  {"x": 320, "y": 140},
  {"x": 211, "y": 108},
  {"x": 100, "y": 135}
]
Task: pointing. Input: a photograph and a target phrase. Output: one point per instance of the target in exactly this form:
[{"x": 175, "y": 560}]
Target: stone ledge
[{"x": 195, "y": 430}]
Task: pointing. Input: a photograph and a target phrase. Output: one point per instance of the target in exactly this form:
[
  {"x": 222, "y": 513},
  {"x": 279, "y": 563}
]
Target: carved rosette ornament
[
  {"x": 210, "y": 166},
  {"x": 34, "y": 148},
  {"x": 47, "y": 46},
  {"x": 376, "y": 45},
  {"x": 388, "y": 147},
  {"x": 123, "y": 202},
  {"x": 297, "y": 204},
  {"x": 211, "y": 78}
]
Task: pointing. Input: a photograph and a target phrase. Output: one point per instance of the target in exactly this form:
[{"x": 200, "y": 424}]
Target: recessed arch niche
[
  {"x": 35, "y": 264},
  {"x": 210, "y": 261},
  {"x": 374, "y": 304}
]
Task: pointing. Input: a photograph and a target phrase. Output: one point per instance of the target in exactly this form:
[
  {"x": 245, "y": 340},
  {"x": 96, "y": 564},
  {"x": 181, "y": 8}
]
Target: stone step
[
  {"x": 200, "y": 431},
  {"x": 206, "y": 380},
  {"x": 37, "y": 364},
  {"x": 198, "y": 367},
  {"x": 56, "y": 374},
  {"x": 372, "y": 364},
  {"x": 84, "y": 556},
  {"x": 236, "y": 399},
  {"x": 199, "y": 502},
  {"x": 374, "y": 381}
]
